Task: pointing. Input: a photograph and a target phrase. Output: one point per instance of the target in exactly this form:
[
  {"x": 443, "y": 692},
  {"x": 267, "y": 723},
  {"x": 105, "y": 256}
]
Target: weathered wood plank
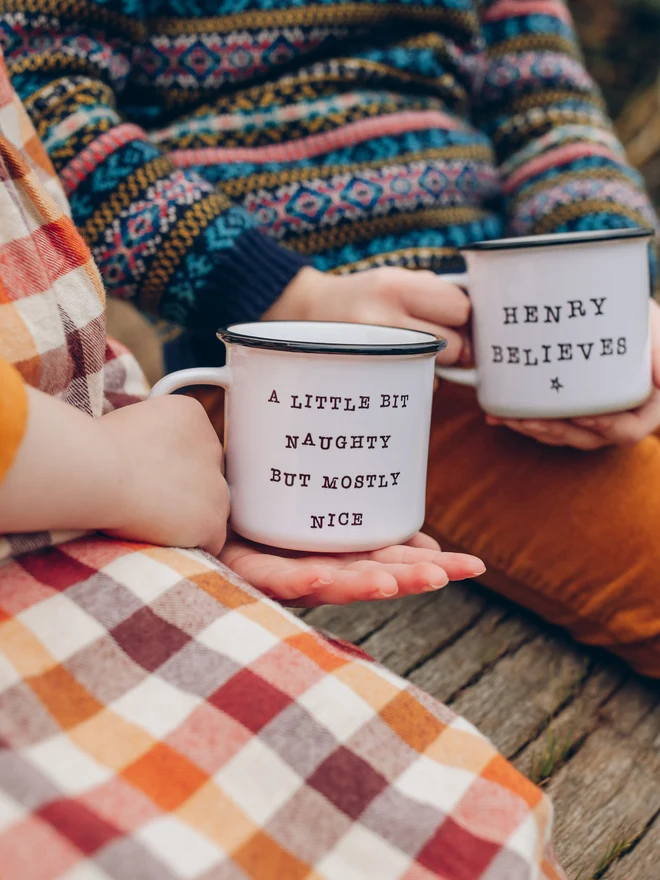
[
  {"x": 423, "y": 625},
  {"x": 633, "y": 708},
  {"x": 643, "y": 861},
  {"x": 419, "y": 625},
  {"x": 495, "y": 634},
  {"x": 588, "y": 725},
  {"x": 603, "y": 798},
  {"x": 610, "y": 791},
  {"x": 353, "y": 622},
  {"x": 542, "y": 758},
  {"x": 513, "y": 701}
]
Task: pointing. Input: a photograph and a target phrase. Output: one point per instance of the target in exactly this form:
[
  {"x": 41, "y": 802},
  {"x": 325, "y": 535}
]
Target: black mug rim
[
  {"x": 559, "y": 239},
  {"x": 432, "y": 345}
]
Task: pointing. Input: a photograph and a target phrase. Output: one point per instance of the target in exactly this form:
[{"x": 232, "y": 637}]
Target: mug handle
[
  {"x": 220, "y": 376},
  {"x": 458, "y": 375}
]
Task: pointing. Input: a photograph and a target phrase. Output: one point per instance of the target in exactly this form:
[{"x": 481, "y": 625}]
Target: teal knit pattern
[{"x": 353, "y": 134}]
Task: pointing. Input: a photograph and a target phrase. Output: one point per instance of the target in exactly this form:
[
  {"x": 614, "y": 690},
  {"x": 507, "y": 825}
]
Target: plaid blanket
[
  {"x": 159, "y": 719},
  {"x": 52, "y": 301}
]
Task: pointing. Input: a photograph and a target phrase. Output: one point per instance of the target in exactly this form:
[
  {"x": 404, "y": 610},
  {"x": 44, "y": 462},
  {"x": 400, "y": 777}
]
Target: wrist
[
  {"x": 118, "y": 486},
  {"x": 298, "y": 301},
  {"x": 64, "y": 475}
]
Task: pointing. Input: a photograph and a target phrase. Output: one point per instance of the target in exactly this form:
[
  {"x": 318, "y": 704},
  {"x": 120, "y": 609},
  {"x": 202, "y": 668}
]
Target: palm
[{"x": 310, "y": 580}]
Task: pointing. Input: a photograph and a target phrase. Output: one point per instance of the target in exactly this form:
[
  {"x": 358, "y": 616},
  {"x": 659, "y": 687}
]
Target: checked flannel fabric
[
  {"x": 52, "y": 301},
  {"x": 160, "y": 720}
]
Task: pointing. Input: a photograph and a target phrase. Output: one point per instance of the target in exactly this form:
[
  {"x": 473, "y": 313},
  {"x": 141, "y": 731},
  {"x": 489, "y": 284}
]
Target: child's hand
[
  {"x": 307, "y": 580},
  {"x": 595, "y": 432},
  {"x": 148, "y": 472},
  {"x": 388, "y": 296},
  {"x": 171, "y": 487}
]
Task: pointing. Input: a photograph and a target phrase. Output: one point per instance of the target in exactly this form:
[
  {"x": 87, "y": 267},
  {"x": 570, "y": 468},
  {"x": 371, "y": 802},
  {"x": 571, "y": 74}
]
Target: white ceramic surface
[
  {"x": 325, "y": 450},
  {"x": 560, "y": 325}
]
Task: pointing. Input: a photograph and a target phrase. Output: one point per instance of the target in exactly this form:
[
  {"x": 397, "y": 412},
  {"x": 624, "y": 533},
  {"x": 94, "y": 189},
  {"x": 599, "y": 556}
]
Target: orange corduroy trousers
[{"x": 573, "y": 536}]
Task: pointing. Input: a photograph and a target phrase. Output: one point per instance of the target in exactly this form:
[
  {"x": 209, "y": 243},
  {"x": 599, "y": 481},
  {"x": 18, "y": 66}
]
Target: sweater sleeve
[
  {"x": 13, "y": 415},
  {"x": 162, "y": 236},
  {"x": 561, "y": 166}
]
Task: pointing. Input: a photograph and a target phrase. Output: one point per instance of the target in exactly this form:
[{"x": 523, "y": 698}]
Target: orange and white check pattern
[
  {"x": 52, "y": 302},
  {"x": 161, "y": 720}
]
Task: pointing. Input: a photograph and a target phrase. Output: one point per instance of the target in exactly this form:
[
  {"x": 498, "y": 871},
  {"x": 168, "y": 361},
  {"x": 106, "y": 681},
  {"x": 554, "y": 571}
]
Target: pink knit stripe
[
  {"x": 315, "y": 145},
  {"x": 516, "y": 8},
  {"x": 559, "y": 155},
  {"x": 75, "y": 171}
]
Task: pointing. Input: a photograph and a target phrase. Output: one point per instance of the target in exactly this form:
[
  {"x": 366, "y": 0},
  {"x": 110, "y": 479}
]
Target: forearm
[
  {"x": 561, "y": 165},
  {"x": 65, "y": 474}
]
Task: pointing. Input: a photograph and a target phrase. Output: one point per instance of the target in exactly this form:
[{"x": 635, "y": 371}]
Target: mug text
[{"x": 561, "y": 351}]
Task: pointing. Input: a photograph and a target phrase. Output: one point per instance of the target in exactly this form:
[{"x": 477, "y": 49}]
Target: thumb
[{"x": 654, "y": 318}]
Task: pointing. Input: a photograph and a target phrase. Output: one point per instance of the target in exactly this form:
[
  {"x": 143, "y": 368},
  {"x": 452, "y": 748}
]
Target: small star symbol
[{"x": 555, "y": 385}]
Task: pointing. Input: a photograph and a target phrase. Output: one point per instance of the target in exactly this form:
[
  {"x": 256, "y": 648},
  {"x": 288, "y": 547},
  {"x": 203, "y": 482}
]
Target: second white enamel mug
[{"x": 560, "y": 323}]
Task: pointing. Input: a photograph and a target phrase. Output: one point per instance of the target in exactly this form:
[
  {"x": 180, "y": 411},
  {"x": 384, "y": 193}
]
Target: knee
[{"x": 574, "y": 537}]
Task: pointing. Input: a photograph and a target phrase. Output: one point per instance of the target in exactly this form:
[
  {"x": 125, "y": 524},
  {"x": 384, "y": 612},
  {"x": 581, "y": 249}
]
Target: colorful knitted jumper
[{"x": 194, "y": 138}]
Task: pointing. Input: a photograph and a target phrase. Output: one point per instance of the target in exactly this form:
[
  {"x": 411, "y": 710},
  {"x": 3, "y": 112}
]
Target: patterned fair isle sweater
[{"x": 210, "y": 147}]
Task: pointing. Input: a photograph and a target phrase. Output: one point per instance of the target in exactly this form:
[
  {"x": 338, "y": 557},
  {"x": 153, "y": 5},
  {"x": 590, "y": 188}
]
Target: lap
[
  {"x": 572, "y": 536},
  {"x": 157, "y": 716}
]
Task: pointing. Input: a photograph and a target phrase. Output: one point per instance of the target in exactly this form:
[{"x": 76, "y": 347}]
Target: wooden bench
[{"x": 574, "y": 720}]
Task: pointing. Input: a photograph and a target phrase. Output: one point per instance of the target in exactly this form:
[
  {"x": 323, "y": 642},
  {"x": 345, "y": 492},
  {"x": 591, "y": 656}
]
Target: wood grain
[{"x": 577, "y": 722}]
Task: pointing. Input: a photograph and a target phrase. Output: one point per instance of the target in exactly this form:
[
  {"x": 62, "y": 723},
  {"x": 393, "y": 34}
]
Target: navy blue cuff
[{"x": 251, "y": 275}]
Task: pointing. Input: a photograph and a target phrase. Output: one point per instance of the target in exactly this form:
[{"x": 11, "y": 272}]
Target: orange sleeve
[{"x": 13, "y": 414}]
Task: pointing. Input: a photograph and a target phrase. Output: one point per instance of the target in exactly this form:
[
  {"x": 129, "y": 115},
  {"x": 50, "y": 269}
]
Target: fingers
[
  {"x": 424, "y": 542},
  {"x": 456, "y": 342},
  {"x": 355, "y": 585},
  {"x": 339, "y": 580},
  {"x": 293, "y": 582},
  {"x": 420, "y": 577},
  {"x": 368, "y": 580},
  {"x": 592, "y": 432},
  {"x": 458, "y": 566},
  {"x": 403, "y": 554},
  {"x": 310, "y": 581},
  {"x": 279, "y": 577},
  {"x": 626, "y": 429},
  {"x": 467, "y": 354},
  {"x": 457, "y": 350},
  {"x": 553, "y": 432},
  {"x": 362, "y": 581},
  {"x": 654, "y": 322},
  {"x": 429, "y": 298}
]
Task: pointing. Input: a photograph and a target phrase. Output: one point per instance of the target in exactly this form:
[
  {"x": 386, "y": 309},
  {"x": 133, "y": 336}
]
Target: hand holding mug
[
  {"x": 595, "y": 432},
  {"x": 171, "y": 491},
  {"x": 388, "y": 296},
  {"x": 169, "y": 488},
  {"x": 560, "y": 328}
]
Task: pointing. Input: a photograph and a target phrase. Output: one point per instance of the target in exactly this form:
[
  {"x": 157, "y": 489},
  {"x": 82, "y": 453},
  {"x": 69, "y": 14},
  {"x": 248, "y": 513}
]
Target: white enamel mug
[
  {"x": 326, "y": 431},
  {"x": 560, "y": 324}
]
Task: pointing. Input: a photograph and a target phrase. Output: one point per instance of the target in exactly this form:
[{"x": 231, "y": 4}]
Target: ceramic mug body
[
  {"x": 560, "y": 324},
  {"x": 327, "y": 431}
]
